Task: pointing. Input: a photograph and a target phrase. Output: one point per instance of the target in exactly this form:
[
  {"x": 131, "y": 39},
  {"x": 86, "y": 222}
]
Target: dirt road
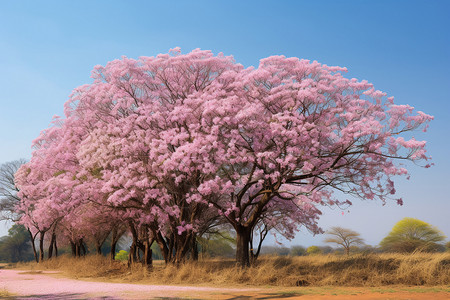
[
  {"x": 28, "y": 285},
  {"x": 19, "y": 284}
]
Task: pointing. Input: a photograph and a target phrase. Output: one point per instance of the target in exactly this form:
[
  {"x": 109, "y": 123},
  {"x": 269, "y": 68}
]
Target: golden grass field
[{"x": 370, "y": 270}]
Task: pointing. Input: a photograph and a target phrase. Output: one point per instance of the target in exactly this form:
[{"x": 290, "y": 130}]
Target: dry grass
[
  {"x": 320, "y": 270},
  {"x": 4, "y": 294}
]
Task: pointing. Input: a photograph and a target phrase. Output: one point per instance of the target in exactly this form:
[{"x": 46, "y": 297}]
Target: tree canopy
[
  {"x": 16, "y": 245},
  {"x": 344, "y": 237},
  {"x": 174, "y": 144},
  {"x": 8, "y": 190},
  {"x": 409, "y": 235}
]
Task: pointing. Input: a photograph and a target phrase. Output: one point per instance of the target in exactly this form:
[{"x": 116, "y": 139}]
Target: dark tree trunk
[
  {"x": 50, "y": 250},
  {"x": 114, "y": 240},
  {"x": 162, "y": 245},
  {"x": 194, "y": 249},
  {"x": 171, "y": 242},
  {"x": 83, "y": 248},
  {"x": 77, "y": 250},
  {"x": 55, "y": 247},
  {"x": 99, "y": 241},
  {"x": 74, "y": 248},
  {"x": 148, "y": 253},
  {"x": 242, "y": 242},
  {"x": 51, "y": 246},
  {"x": 41, "y": 246},
  {"x": 132, "y": 257},
  {"x": 33, "y": 245},
  {"x": 182, "y": 246},
  {"x": 98, "y": 247},
  {"x": 262, "y": 235}
]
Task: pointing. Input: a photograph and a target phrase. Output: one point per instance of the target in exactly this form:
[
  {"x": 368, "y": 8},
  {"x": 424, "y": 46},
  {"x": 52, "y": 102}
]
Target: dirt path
[
  {"x": 28, "y": 285},
  {"x": 19, "y": 284}
]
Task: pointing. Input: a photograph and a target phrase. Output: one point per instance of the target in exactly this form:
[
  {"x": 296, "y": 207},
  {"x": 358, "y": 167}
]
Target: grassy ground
[{"x": 373, "y": 270}]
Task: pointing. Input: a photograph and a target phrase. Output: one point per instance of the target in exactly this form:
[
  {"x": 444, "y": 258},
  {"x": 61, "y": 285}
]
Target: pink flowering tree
[
  {"x": 287, "y": 135},
  {"x": 131, "y": 109},
  {"x": 176, "y": 141}
]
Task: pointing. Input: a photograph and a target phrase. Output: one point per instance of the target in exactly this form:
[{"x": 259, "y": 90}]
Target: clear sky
[{"x": 47, "y": 48}]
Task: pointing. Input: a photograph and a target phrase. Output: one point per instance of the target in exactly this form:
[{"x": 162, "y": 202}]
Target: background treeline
[{"x": 17, "y": 247}]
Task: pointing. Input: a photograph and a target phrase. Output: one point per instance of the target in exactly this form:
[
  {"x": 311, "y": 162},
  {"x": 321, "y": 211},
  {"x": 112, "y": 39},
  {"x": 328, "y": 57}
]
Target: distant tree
[
  {"x": 326, "y": 249},
  {"x": 16, "y": 246},
  {"x": 219, "y": 244},
  {"x": 313, "y": 250},
  {"x": 156, "y": 252},
  {"x": 297, "y": 251},
  {"x": 9, "y": 190},
  {"x": 344, "y": 237},
  {"x": 447, "y": 246},
  {"x": 369, "y": 249},
  {"x": 122, "y": 255},
  {"x": 411, "y": 234}
]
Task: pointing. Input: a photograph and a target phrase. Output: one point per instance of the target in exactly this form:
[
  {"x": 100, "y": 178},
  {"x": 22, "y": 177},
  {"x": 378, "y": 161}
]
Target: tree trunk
[
  {"x": 114, "y": 240},
  {"x": 33, "y": 245},
  {"x": 98, "y": 247},
  {"x": 162, "y": 245},
  {"x": 78, "y": 249},
  {"x": 194, "y": 249},
  {"x": 242, "y": 241},
  {"x": 52, "y": 244},
  {"x": 148, "y": 253},
  {"x": 55, "y": 247},
  {"x": 132, "y": 256},
  {"x": 41, "y": 246},
  {"x": 74, "y": 248},
  {"x": 262, "y": 235},
  {"x": 83, "y": 247}
]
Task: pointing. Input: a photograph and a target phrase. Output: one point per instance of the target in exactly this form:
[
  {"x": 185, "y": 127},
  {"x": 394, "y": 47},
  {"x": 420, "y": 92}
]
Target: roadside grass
[
  {"x": 363, "y": 270},
  {"x": 4, "y": 294}
]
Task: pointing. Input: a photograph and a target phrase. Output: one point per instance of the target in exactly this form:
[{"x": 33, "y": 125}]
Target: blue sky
[{"x": 47, "y": 48}]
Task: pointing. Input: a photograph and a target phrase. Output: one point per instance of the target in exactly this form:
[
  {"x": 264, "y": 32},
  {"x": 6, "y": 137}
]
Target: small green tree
[
  {"x": 344, "y": 237},
  {"x": 313, "y": 250},
  {"x": 218, "y": 244},
  {"x": 297, "y": 251},
  {"x": 16, "y": 246},
  {"x": 410, "y": 234},
  {"x": 122, "y": 255}
]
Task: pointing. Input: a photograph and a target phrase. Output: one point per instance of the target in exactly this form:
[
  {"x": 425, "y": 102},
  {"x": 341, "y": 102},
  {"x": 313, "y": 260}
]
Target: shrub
[
  {"x": 121, "y": 255},
  {"x": 313, "y": 250}
]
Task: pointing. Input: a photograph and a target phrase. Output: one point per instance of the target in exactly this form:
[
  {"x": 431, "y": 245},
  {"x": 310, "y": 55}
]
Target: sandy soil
[{"x": 19, "y": 284}]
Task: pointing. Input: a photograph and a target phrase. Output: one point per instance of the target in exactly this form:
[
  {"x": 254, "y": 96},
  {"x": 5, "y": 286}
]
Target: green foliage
[
  {"x": 156, "y": 252},
  {"x": 410, "y": 235},
  {"x": 121, "y": 255},
  {"x": 276, "y": 250},
  {"x": 313, "y": 250},
  {"x": 297, "y": 251},
  {"x": 220, "y": 244},
  {"x": 16, "y": 246}
]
